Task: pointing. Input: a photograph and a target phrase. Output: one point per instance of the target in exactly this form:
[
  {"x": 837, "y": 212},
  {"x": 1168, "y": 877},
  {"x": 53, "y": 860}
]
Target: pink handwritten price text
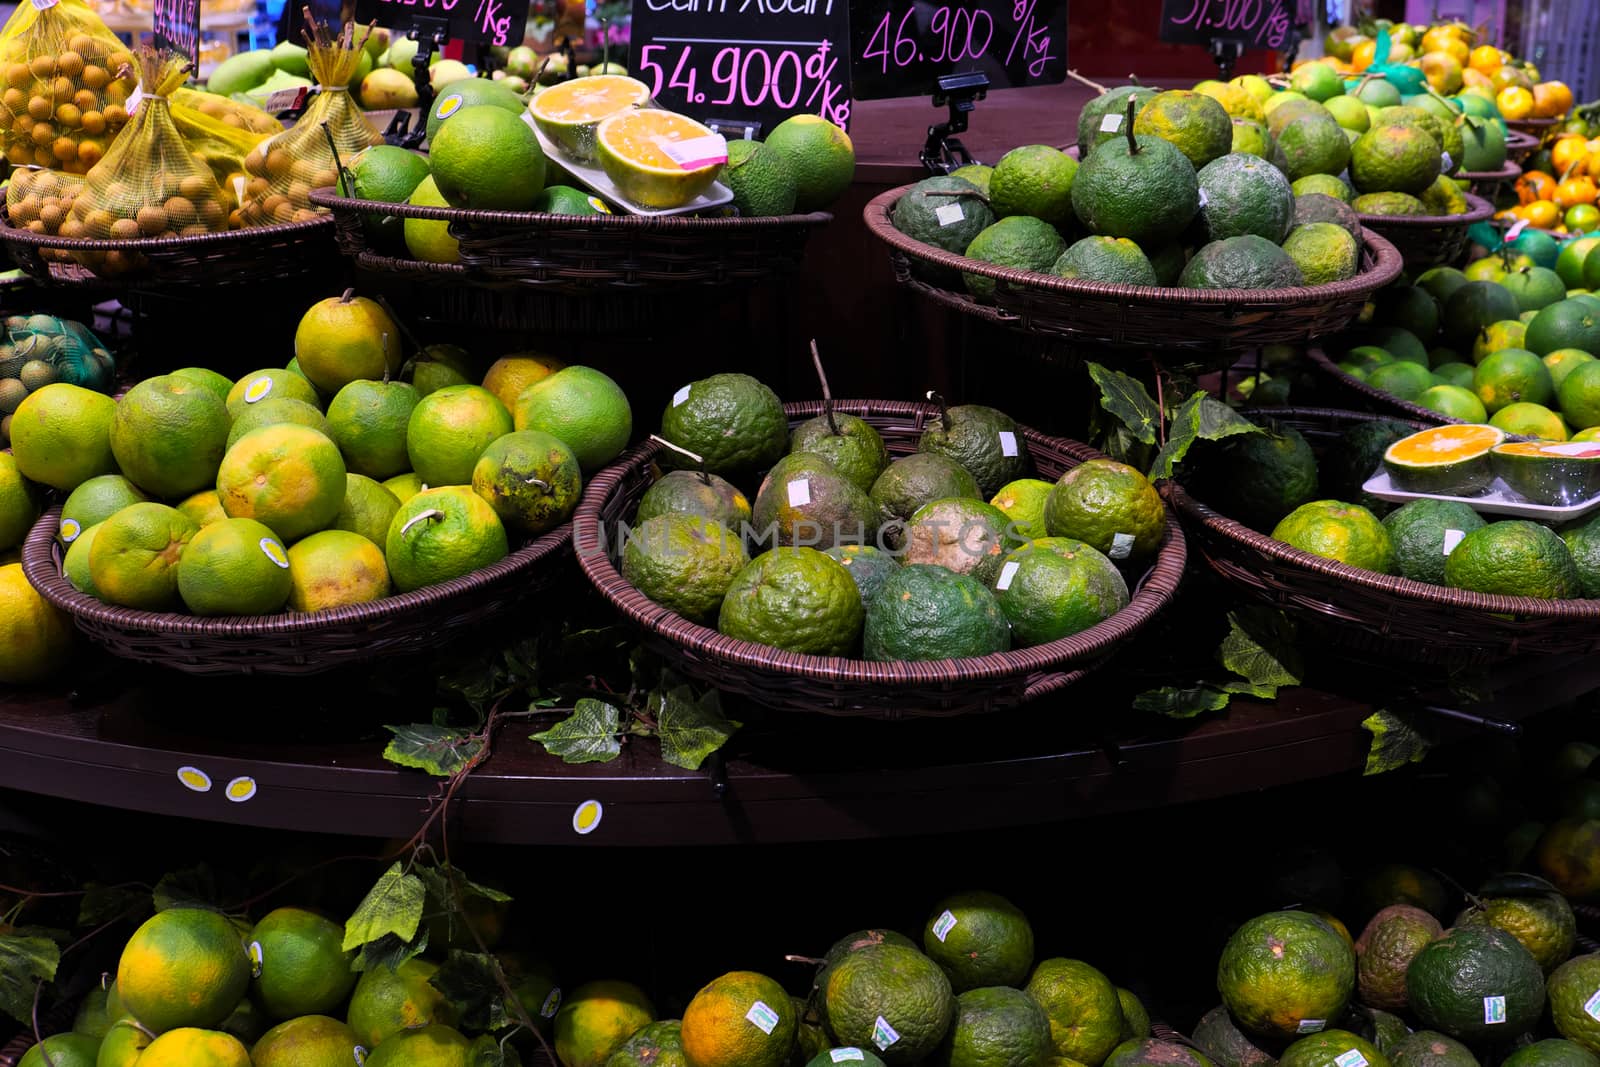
[
  {"x": 1265, "y": 21},
  {"x": 490, "y": 17},
  {"x": 957, "y": 34},
  {"x": 750, "y": 77}
]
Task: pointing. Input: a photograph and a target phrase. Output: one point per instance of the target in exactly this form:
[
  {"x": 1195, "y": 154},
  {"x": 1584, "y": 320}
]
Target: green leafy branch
[
  {"x": 1259, "y": 654},
  {"x": 1156, "y": 433}
]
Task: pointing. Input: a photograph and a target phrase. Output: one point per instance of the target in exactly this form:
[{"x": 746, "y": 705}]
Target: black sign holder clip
[
  {"x": 944, "y": 152},
  {"x": 1225, "y": 52},
  {"x": 430, "y": 35}
]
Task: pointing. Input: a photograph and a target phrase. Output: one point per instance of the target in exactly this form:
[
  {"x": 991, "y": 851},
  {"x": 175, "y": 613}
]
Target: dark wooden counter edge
[{"x": 523, "y": 796}]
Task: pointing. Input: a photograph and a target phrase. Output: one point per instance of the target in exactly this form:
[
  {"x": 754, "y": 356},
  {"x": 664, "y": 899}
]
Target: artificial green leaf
[
  {"x": 468, "y": 982},
  {"x": 103, "y": 904},
  {"x": 25, "y": 961},
  {"x": 443, "y": 897},
  {"x": 389, "y": 952},
  {"x": 1217, "y": 420},
  {"x": 1127, "y": 399},
  {"x": 192, "y": 887},
  {"x": 1199, "y": 418},
  {"x": 1260, "y": 649},
  {"x": 1181, "y": 702},
  {"x": 489, "y": 1051},
  {"x": 690, "y": 729},
  {"x": 1396, "y": 741},
  {"x": 393, "y": 906},
  {"x": 591, "y": 734},
  {"x": 1250, "y": 689},
  {"x": 439, "y": 750}
]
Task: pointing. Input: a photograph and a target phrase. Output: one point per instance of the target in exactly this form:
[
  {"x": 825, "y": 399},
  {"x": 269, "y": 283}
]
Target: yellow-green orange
[
  {"x": 269, "y": 382},
  {"x": 207, "y": 377},
  {"x": 1347, "y": 533},
  {"x": 367, "y": 420},
  {"x": 1512, "y": 375},
  {"x": 75, "y": 564},
  {"x": 304, "y": 969},
  {"x": 367, "y": 509},
  {"x": 596, "y": 1018},
  {"x": 720, "y": 1027},
  {"x": 441, "y": 534},
  {"x": 290, "y": 477},
  {"x": 134, "y": 559},
  {"x": 1283, "y": 968},
  {"x": 309, "y": 1041},
  {"x": 530, "y": 478},
  {"x": 819, "y": 155},
  {"x": 18, "y": 507},
  {"x": 123, "y": 1044},
  {"x": 185, "y": 967},
  {"x": 405, "y": 486},
  {"x": 449, "y": 429},
  {"x": 1579, "y": 395},
  {"x": 169, "y": 435},
  {"x": 426, "y": 239},
  {"x": 683, "y": 561},
  {"x": 508, "y": 376},
  {"x": 335, "y": 568},
  {"x": 346, "y": 338},
  {"x": 193, "y": 1047},
  {"x": 1023, "y": 502},
  {"x": 274, "y": 411},
  {"x": 234, "y": 567},
  {"x": 1109, "y": 506},
  {"x": 437, "y": 366},
  {"x": 65, "y": 1050},
  {"x": 35, "y": 638},
  {"x": 1085, "y": 1012},
  {"x": 1034, "y": 180},
  {"x": 93, "y": 502},
  {"x": 485, "y": 157},
  {"x": 584, "y": 408},
  {"x": 1530, "y": 420},
  {"x": 430, "y": 1046},
  {"x": 1324, "y": 252},
  {"x": 386, "y": 1002},
  {"x": 203, "y": 508},
  {"x": 61, "y": 435},
  {"x": 1194, "y": 123}
]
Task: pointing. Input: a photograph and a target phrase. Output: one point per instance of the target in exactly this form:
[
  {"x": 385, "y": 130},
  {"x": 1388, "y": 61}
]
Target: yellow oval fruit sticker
[
  {"x": 258, "y": 390},
  {"x": 194, "y": 778},
  {"x": 361, "y": 1056},
  {"x": 274, "y": 551},
  {"x": 241, "y": 789},
  {"x": 255, "y": 954},
  {"x": 448, "y": 106},
  {"x": 599, "y": 205},
  {"x": 587, "y": 818},
  {"x": 70, "y": 531}
]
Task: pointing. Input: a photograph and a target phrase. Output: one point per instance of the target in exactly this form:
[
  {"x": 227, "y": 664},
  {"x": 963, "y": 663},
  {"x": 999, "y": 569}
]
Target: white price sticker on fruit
[
  {"x": 680, "y": 396},
  {"x": 1008, "y": 443},
  {"x": 1494, "y": 1010},
  {"x": 696, "y": 152},
  {"x": 1204, "y": 199},
  {"x": 950, "y": 214},
  {"x": 1311, "y": 1026},
  {"x": 1008, "y": 572},
  {"x": 1452, "y": 538},
  {"x": 1111, "y": 123},
  {"x": 847, "y": 1055},
  {"x": 1446, "y": 164},
  {"x": 799, "y": 492},
  {"x": 947, "y": 921},
  {"x": 884, "y": 1035},
  {"x": 762, "y": 1017},
  {"x": 1591, "y": 1007},
  {"x": 1352, "y": 1058},
  {"x": 1121, "y": 546}
]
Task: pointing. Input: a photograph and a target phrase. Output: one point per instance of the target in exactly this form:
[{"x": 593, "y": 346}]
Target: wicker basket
[
  {"x": 836, "y": 685},
  {"x": 1535, "y": 128},
  {"x": 237, "y": 257},
  {"x": 1519, "y": 146},
  {"x": 1429, "y": 240},
  {"x": 1375, "y": 613},
  {"x": 1488, "y": 183},
  {"x": 1139, "y": 316},
  {"x": 1368, "y": 398},
  {"x": 589, "y": 254},
  {"x": 296, "y": 643}
]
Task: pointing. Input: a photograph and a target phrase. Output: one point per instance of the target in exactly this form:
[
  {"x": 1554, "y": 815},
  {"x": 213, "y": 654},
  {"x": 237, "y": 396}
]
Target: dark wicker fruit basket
[
  {"x": 296, "y": 643},
  {"x": 1519, "y": 146},
  {"x": 236, "y": 257},
  {"x": 1535, "y": 128},
  {"x": 1380, "y": 614},
  {"x": 589, "y": 254},
  {"x": 1359, "y": 394},
  {"x": 1429, "y": 240},
  {"x": 1488, "y": 183},
  {"x": 837, "y": 685},
  {"x": 1137, "y": 316}
]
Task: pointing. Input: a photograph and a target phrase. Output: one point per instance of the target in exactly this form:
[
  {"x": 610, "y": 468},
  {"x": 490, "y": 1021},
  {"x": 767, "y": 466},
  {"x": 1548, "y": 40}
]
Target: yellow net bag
[
  {"x": 284, "y": 169},
  {"x": 221, "y": 133},
  {"x": 40, "y": 201},
  {"x": 150, "y": 184},
  {"x": 67, "y": 83}
]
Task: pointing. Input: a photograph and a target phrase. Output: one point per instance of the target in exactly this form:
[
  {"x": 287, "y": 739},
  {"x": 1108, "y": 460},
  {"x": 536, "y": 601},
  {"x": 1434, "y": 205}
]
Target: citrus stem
[
  {"x": 827, "y": 394},
  {"x": 540, "y": 482},
  {"x": 349, "y": 295},
  {"x": 1134, "y": 78},
  {"x": 697, "y": 457},
  {"x": 432, "y": 514},
  {"x": 1133, "y": 145},
  {"x": 944, "y": 411},
  {"x": 1096, "y": 86}
]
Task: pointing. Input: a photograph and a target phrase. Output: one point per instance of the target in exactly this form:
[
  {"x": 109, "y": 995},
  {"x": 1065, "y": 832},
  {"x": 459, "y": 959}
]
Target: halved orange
[
  {"x": 1445, "y": 460},
  {"x": 633, "y": 149},
  {"x": 569, "y": 112}
]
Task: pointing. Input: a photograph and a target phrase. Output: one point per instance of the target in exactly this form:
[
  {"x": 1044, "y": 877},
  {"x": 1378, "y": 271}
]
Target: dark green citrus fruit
[
  {"x": 1283, "y": 970},
  {"x": 980, "y": 939},
  {"x": 924, "y": 612},
  {"x": 1476, "y": 983}
]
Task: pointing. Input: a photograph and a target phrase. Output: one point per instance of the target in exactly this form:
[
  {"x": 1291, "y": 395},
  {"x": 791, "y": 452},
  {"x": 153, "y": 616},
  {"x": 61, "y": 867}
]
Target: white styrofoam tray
[
  {"x": 595, "y": 178},
  {"x": 1498, "y": 499}
]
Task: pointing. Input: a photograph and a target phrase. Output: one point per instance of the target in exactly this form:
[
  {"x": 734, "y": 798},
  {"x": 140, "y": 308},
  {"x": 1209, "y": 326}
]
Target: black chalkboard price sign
[
  {"x": 736, "y": 61},
  {"x": 1258, "y": 23},
  {"x": 177, "y": 27},
  {"x": 902, "y": 47},
  {"x": 490, "y": 22}
]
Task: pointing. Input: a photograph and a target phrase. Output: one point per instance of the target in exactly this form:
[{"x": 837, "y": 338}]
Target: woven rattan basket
[
  {"x": 1377, "y": 613},
  {"x": 1428, "y": 240},
  {"x": 836, "y": 685},
  {"x": 588, "y": 254},
  {"x": 296, "y": 643},
  {"x": 1367, "y": 398},
  {"x": 1488, "y": 183},
  {"x": 237, "y": 257},
  {"x": 1138, "y": 316},
  {"x": 1535, "y": 128},
  {"x": 1519, "y": 146}
]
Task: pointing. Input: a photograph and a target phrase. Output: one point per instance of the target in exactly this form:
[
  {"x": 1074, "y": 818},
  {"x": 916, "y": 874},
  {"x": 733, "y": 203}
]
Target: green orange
[
  {"x": 387, "y": 1001},
  {"x": 61, "y": 435},
  {"x": 429, "y": 1046},
  {"x": 308, "y": 1041},
  {"x": 586, "y": 409},
  {"x": 290, "y": 477},
  {"x": 270, "y": 382},
  {"x": 741, "y": 1019},
  {"x": 336, "y": 568},
  {"x": 169, "y": 435},
  {"x": 1109, "y": 506},
  {"x": 449, "y": 429},
  {"x": 185, "y": 967},
  {"x": 234, "y": 567},
  {"x": 1085, "y": 1012},
  {"x": 1346, "y": 533},
  {"x": 344, "y": 339},
  {"x": 596, "y": 1018},
  {"x": 304, "y": 968},
  {"x": 367, "y": 510},
  {"x": 134, "y": 558},
  {"x": 441, "y": 534},
  {"x": 194, "y": 1047}
]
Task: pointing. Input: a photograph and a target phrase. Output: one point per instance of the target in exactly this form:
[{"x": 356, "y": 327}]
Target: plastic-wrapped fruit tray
[{"x": 1498, "y": 499}]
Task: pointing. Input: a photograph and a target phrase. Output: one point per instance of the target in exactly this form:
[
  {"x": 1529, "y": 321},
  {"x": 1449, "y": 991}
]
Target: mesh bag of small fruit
[
  {"x": 221, "y": 135},
  {"x": 40, "y": 200},
  {"x": 283, "y": 170},
  {"x": 40, "y": 349},
  {"x": 67, "y": 83},
  {"x": 150, "y": 184}
]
